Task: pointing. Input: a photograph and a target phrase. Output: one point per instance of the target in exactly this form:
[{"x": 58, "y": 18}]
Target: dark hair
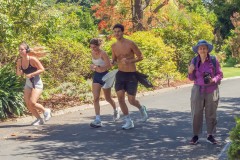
[
  {"x": 96, "y": 41},
  {"x": 119, "y": 26}
]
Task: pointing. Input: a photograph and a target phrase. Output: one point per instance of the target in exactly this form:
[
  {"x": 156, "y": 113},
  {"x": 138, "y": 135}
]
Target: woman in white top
[{"x": 100, "y": 65}]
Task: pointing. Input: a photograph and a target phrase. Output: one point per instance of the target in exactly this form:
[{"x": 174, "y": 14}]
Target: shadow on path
[{"x": 164, "y": 136}]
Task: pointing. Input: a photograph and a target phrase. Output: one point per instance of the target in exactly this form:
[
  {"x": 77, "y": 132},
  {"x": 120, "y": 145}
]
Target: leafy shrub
[
  {"x": 234, "y": 150},
  {"x": 182, "y": 29},
  {"x": 230, "y": 62},
  {"x": 11, "y": 95},
  {"x": 158, "y": 62},
  {"x": 68, "y": 61},
  {"x": 237, "y": 66},
  {"x": 82, "y": 91}
]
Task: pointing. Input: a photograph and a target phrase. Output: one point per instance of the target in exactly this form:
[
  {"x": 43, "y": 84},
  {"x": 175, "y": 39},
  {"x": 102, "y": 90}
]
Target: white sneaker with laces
[
  {"x": 38, "y": 122},
  {"x": 128, "y": 125},
  {"x": 47, "y": 114},
  {"x": 96, "y": 123},
  {"x": 116, "y": 114},
  {"x": 144, "y": 114}
]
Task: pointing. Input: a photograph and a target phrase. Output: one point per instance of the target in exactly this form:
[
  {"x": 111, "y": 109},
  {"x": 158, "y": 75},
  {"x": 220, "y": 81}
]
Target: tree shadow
[
  {"x": 164, "y": 136},
  {"x": 14, "y": 126},
  {"x": 230, "y": 101}
]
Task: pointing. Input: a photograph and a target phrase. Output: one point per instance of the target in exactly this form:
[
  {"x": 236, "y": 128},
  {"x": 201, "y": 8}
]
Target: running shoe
[
  {"x": 47, "y": 114},
  {"x": 116, "y": 114},
  {"x": 194, "y": 140},
  {"x": 211, "y": 139},
  {"x": 38, "y": 122},
  {"x": 96, "y": 123},
  {"x": 128, "y": 125},
  {"x": 144, "y": 114}
]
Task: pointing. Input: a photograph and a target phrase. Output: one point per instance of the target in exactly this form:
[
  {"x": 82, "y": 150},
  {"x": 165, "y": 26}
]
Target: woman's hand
[
  {"x": 93, "y": 67},
  {"x": 191, "y": 69},
  {"x": 29, "y": 75}
]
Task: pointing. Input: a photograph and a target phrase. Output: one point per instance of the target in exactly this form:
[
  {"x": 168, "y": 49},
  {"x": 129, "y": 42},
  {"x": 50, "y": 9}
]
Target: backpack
[{"x": 213, "y": 60}]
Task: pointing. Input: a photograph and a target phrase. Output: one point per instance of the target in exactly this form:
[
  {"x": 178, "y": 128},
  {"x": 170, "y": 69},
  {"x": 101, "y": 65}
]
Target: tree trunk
[
  {"x": 149, "y": 21},
  {"x": 137, "y": 16}
]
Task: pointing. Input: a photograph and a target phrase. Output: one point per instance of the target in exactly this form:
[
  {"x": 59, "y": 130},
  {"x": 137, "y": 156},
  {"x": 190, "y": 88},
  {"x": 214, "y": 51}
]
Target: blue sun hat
[{"x": 200, "y": 43}]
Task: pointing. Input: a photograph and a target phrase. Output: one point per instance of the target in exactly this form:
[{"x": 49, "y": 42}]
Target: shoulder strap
[
  {"x": 213, "y": 60},
  {"x": 195, "y": 61}
]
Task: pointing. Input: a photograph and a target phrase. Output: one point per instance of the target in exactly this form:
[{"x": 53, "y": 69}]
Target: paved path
[{"x": 164, "y": 137}]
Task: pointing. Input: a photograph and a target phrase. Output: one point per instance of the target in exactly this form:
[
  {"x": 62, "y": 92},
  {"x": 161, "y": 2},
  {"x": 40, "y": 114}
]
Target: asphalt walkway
[{"x": 165, "y": 136}]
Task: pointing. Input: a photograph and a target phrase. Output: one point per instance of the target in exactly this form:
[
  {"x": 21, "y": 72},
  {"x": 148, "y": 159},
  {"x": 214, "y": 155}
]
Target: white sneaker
[
  {"x": 116, "y": 114},
  {"x": 38, "y": 122},
  {"x": 96, "y": 123},
  {"x": 47, "y": 114},
  {"x": 144, "y": 114},
  {"x": 128, "y": 125}
]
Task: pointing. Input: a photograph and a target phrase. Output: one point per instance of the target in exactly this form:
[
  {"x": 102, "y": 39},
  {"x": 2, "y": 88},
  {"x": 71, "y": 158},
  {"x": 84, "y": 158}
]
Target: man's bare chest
[{"x": 123, "y": 52}]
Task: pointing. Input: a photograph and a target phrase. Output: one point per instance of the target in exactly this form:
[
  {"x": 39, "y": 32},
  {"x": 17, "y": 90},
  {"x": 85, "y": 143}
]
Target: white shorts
[{"x": 34, "y": 82}]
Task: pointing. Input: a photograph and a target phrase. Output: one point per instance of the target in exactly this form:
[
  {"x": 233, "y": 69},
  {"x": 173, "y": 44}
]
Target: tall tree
[
  {"x": 138, "y": 9},
  {"x": 235, "y": 39},
  {"x": 224, "y": 10},
  {"x": 137, "y": 18},
  {"x": 110, "y": 12}
]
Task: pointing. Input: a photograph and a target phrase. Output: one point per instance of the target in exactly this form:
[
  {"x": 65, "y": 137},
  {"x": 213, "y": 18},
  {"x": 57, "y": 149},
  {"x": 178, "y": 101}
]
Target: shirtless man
[{"x": 126, "y": 53}]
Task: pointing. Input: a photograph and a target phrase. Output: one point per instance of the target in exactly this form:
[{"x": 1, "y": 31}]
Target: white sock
[
  {"x": 127, "y": 117},
  {"x": 98, "y": 117},
  {"x": 116, "y": 109}
]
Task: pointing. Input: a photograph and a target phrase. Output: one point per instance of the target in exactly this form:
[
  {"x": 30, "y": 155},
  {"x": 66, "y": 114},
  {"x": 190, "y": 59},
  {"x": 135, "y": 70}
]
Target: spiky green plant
[{"x": 11, "y": 93}]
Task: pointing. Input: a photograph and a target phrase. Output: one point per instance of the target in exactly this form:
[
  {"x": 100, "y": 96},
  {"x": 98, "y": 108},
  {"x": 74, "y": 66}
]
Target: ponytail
[{"x": 37, "y": 52}]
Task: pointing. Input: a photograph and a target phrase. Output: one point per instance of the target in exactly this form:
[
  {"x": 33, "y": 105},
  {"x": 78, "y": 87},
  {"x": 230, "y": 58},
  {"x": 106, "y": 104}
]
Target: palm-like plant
[{"x": 11, "y": 93}]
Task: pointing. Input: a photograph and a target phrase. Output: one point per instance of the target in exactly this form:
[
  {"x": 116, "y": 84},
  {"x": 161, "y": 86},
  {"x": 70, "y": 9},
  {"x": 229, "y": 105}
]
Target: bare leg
[
  {"x": 96, "y": 88},
  {"x": 107, "y": 95},
  {"x": 27, "y": 97},
  {"x": 122, "y": 103},
  {"x": 132, "y": 100},
  {"x": 36, "y": 93}
]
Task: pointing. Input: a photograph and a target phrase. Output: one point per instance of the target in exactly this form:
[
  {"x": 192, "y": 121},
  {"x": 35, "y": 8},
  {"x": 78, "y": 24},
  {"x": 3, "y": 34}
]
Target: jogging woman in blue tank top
[
  {"x": 31, "y": 67},
  {"x": 100, "y": 65}
]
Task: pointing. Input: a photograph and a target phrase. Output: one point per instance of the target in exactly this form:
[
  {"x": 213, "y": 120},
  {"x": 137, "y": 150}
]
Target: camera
[{"x": 206, "y": 77}]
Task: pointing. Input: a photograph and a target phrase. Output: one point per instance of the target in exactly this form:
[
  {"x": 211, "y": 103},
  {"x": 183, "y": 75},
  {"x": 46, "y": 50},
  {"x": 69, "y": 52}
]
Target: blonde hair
[
  {"x": 37, "y": 51},
  {"x": 96, "y": 41}
]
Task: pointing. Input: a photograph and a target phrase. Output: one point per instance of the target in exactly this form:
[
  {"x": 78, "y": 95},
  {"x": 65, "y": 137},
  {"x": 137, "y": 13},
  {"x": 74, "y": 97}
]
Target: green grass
[{"x": 230, "y": 72}]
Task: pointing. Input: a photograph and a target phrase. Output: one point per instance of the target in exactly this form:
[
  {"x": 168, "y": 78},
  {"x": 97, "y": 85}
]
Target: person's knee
[
  {"x": 96, "y": 99},
  {"x": 108, "y": 99},
  {"x": 32, "y": 103},
  {"x": 132, "y": 101}
]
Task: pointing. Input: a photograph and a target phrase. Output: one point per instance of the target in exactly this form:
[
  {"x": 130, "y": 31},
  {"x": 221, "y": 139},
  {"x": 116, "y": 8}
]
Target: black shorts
[
  {"x": 126, "y": 81},
  {"x": 97, "y": 77}
]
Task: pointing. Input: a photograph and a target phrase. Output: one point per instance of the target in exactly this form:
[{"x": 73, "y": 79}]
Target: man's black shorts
[{"x": 126, "y": 81}]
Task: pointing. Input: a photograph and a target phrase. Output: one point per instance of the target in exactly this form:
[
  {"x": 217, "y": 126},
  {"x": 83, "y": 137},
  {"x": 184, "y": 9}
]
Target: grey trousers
[{"x": 201, "y": 102}]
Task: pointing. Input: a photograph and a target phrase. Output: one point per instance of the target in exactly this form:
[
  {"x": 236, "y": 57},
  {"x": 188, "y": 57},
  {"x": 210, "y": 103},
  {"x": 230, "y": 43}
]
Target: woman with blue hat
[{"x": 206, "y": 73}]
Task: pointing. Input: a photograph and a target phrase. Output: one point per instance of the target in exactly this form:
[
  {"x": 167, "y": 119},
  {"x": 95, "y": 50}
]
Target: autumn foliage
[{"x": 110, "y": 12}]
